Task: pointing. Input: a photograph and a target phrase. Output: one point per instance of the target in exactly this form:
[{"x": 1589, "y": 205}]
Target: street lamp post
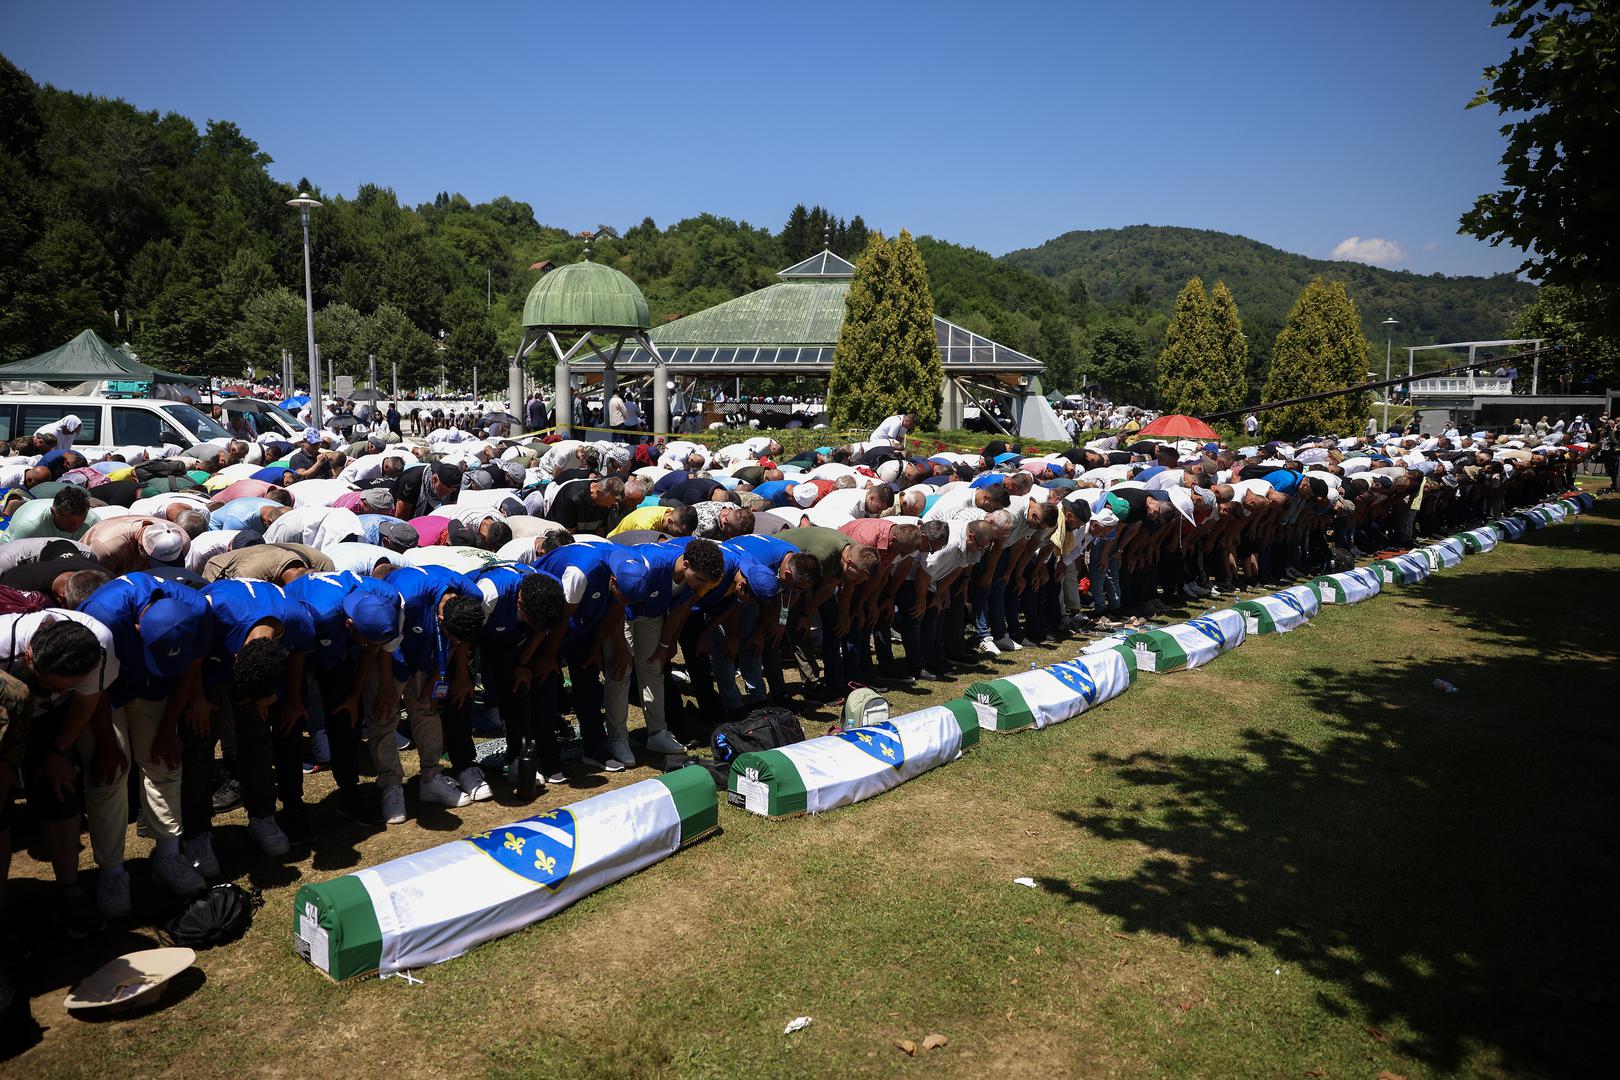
[
  {"x": 305, "y": 204},
  {"x": 1389, "y": 326}
]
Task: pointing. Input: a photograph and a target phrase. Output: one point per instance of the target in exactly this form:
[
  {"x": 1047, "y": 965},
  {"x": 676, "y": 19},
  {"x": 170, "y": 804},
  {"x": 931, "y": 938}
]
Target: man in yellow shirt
[{"x": 669, "y": 520}]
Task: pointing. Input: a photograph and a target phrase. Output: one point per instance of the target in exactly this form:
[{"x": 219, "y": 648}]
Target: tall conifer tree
[
  {"x": 1190, "y": 358},
  {"x": 1231, "y": 378},
  {"x": 887, "y": 360},
  {"x": 1321, "y": 347}
]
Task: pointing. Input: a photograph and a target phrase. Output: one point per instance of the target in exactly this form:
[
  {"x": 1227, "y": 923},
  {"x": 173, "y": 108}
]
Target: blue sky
[{"x": 1311, "y": 126}]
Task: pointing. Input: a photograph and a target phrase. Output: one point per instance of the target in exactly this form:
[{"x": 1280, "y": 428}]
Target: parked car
[{"x": 110, "y": 422}]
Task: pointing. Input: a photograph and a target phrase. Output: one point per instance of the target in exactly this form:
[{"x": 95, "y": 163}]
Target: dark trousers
[
  {"x": 910, "y": 629},
  {"x": 342, "y": 729},
  {"x": 523, "y": 712},
  {"x": 587, "y": 697},
  {"x": 835, "y": 669}
]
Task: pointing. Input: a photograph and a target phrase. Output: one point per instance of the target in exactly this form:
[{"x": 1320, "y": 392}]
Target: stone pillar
[
  {"x": 514, "y": 390},
  {"x": 660, "y": 382},
  {"x": 950, "y": 406},
  {"x": 562, "y": 416}
]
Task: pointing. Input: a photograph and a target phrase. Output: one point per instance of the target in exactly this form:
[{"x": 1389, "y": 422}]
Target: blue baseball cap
[
  {"x": 762, "y": 580},
  {"x": 377, "y": 617},
  {"x": 823, "y": 449},
  {"x": 633, "y": 577},
  {"x": 170, "y": 633},
  {"x": 1002, "y": 459}
]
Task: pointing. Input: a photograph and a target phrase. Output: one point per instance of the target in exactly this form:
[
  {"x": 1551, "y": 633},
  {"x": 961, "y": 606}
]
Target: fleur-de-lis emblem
[
  {"x": 546, "y": 864},
  {"x": 481, "y": 835},
  {"x": 549, "y": 815},
  {"x": 865, "y": 738},
  {"x": 514, "y": 843},
  {"x": 888, "y": 751}
]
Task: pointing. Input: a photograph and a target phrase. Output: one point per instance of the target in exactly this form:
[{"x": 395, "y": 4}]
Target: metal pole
[
  {"x": 309, "y": 325},
  {"x": 395, "y": 365},
  {"x": 1389, "y": 348},
  {"x": 371, "y": 365}
]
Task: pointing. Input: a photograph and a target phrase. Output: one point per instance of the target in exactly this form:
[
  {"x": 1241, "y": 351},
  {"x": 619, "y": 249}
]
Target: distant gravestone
[{"x": 343, "y": 386}]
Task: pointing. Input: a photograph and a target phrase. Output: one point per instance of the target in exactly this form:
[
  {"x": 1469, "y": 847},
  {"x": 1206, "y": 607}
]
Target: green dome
[{"x": 586, "y": 296}]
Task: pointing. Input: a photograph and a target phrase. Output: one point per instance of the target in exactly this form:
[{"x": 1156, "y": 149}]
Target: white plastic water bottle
[{"x": 1444, "y": 687}]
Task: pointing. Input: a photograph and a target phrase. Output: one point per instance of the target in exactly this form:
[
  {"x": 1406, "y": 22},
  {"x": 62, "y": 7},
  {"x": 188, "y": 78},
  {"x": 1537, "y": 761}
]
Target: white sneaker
[
  {"x": 988, "y": 647},
  {"x": 1006, "y": 644},
  {"x": 268, "y": 835},
  {"x": 442, "y": 790},
  {"x": 171, "y": 870},
  {"x": 623, "y": 754},
  {"x": 471, "y": 780},
  {"x": 558, "y": 777},
  {"x": 112, "y": 894},
  {"x": 662, "y": 742},
  {"x": 200, "y": 853},
  {"x": 393, "y": 804}
]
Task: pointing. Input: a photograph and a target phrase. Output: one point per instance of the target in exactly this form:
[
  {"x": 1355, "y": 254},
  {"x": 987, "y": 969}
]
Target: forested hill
[{"x": 1266, "y": 280}]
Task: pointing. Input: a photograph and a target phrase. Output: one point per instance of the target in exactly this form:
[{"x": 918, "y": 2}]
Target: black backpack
[
  {"x": 762, "y": 729},
  {"x": 148, "y": 471},
  {"x": 221, "y": 914}
]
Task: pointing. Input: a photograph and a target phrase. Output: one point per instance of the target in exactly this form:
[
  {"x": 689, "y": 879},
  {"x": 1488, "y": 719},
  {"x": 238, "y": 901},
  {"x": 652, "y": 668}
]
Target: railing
[{"x": 1478, "y": 385}]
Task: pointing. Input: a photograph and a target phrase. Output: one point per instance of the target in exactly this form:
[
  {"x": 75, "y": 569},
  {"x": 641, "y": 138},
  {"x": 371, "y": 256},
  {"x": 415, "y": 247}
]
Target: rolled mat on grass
[
  {"x": 1050, "y": 695},
  {"x": 1478, "y": 541},
  {"x": 1348, "y": 587},
  {"x": 835, "y": 770},
  {"x": 1280, "y": 612},
  {"x": 437, "y": 904},
  {"x": 1190, "y": 644},
  {"x": 1408, "y": 569},
  {"x": 1443, "y": 555}
]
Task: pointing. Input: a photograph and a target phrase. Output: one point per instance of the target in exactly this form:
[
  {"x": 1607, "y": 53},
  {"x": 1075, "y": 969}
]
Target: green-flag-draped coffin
[
  {"x": 1050, "y": 695},
  {"x": 1513, "y": 527},
  {"x": 836, "y": 770},
  {"x": 1190, "y": 644},
  {"x": 1280, "y": 612},
  {"x": 1348, "y": 587},
  {"x": 1407, "y": 569},
  {"x": 1443, "y": 555},
  {"x": 436, "y": 904}
]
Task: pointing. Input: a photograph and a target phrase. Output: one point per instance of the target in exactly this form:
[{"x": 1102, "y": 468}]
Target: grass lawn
[{"x": 1302, "y": 860}]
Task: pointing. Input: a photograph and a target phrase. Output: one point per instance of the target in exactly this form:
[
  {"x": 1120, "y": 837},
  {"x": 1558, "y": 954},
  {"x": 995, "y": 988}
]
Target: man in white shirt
[{"x": 894, "y": 430}]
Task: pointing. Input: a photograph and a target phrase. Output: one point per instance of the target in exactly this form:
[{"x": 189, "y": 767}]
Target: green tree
[
  {"x": 1557, "y": 201},
  {"x": 1120, "y": 364},
  {"x": 887, "y": 360},
  {"x": 1320, "y": 348},
  {"x": 1231, "y": 377},
  {"x": 271, "y": 321},
  {"x": 1575, "y": 319},
  {"x": 396, "y": 340},
  {"x": 1190, "y": 377}
]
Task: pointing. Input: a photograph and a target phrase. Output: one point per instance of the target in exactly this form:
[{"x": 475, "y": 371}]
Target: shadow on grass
[{"x": 1444, "y": 862}]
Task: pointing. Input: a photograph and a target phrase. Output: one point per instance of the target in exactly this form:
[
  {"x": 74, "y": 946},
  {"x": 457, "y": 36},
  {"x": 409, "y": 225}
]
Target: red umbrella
[{"x": 1177, "y": 426}]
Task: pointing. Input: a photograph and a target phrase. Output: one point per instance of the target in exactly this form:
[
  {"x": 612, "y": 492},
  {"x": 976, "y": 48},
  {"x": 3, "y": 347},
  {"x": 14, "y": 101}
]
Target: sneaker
[
  {"x": 662, "y": 742},
  {"x": 402, "y": 741},
  {"x": 77, "y": 913},
  {"x": 268, "y": 835},
  {"x": 199, "y": 852},
  {"x": 558, "y": 777},
  {"x": 442, "y": 790},
  {"x": 393, "y": 805},
  {"x": 604, "y": 764},
  {"x": 930, "y": 675},
  {"x": 228, "y": 796},
  {"x": 351, "y": 807},
  {"x": 112, "y": 894},
  {"x": 1006, "y": 644},
  {"x": 1026, "y": 643},
  {"x": 623, "y": 754},
  {"x": 988, "y": 647},
  {"x": 471, "y": 780},
  {"x": 171, "y": 870}
]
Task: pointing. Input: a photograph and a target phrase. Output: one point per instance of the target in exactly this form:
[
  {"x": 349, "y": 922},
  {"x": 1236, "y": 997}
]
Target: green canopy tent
[{"x": 88, "y": 357}]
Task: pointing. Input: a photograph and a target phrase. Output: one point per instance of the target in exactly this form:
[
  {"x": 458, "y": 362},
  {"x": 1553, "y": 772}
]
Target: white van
[{"x": 110, "y": 422}]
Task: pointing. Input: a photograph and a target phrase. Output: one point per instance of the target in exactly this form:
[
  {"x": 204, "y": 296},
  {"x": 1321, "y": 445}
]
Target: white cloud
[
  {"x": 1432, "y": 245},
  {"x": 1374, "y": 250}
]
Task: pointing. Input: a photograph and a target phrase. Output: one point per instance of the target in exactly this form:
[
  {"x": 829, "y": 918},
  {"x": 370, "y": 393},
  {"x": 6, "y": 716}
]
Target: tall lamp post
[
  {"x": 305, "y": 204},
  {"x": 1389, "y": 326}
]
